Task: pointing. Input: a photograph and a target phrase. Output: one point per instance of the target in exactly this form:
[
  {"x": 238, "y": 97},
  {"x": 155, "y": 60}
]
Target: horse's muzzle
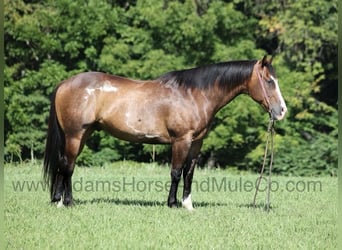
[{"x": 278, "y": 113}]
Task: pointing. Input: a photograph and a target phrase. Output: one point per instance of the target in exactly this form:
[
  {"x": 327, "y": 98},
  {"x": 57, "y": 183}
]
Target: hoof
[
  {"x": 172, "y": 204},
  {"x": 68, "y": 202},
  {"x": 56, "y": 198}
]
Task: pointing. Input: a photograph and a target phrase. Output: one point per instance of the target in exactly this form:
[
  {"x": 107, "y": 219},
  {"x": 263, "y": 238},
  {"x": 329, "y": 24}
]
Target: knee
[{"x": 176, "y": 174}]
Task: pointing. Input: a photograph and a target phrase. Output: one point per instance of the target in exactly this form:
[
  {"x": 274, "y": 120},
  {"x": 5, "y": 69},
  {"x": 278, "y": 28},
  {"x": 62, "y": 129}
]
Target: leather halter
[{"x": 262, "y": 83}]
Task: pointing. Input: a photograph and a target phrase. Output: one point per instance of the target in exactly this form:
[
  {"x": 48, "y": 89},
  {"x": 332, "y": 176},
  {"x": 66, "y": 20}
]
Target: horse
[{"x": 176, "y": 108}]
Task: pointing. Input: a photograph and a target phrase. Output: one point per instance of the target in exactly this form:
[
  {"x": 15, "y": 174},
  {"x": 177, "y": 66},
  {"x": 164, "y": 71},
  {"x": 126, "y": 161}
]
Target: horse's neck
[{"x": 221, "y": 97}]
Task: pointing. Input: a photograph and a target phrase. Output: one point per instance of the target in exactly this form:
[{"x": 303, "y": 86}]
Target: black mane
[{"x": 226, "y": 74}]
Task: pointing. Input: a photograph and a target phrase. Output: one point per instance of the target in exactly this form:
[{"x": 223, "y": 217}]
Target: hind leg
[
  {"x": 72, "y": 149},
  {"x": 62, "y": 188},
  {"x": 58, "y": 188}
]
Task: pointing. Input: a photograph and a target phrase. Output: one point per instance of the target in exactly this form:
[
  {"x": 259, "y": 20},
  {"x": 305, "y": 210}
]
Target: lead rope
[{"x": 270, "y": 131}]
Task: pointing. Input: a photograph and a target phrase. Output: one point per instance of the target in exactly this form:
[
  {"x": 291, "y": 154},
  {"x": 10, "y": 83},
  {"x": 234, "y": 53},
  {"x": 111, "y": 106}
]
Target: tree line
[{"x": 48, "y": 41}]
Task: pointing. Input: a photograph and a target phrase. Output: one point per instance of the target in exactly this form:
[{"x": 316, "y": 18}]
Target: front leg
[
  {"x": 180, "y": 150},
  {"x": 188, "y": 173},
  {"x": 175, "y": 178}
]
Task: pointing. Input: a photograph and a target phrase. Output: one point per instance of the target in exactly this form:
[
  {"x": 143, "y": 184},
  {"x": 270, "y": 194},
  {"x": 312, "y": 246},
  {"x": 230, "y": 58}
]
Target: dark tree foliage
[{"x": 48, "y": 41}]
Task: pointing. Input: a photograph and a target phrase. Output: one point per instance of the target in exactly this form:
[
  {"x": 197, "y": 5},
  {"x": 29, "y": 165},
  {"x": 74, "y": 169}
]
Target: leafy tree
[
  {"x": 49, "y": 41},
  {"x": 306, "y": 55}
]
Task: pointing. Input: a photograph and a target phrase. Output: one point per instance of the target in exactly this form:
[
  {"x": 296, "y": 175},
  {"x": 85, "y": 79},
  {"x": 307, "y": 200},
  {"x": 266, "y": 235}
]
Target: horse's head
[{"x": 264, "y": 89}]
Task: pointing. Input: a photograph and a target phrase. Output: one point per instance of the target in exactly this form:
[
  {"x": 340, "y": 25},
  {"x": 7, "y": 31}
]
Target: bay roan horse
[{"x": 177, "y": 108}]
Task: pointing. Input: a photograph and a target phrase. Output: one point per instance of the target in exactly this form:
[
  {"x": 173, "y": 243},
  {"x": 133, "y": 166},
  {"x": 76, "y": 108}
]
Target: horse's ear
[
  {"x": 264, "y": 61},
  {"x": 271, "y": 59}
]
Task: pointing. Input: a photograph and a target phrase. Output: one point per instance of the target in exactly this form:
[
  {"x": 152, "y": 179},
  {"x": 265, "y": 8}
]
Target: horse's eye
[{"x": 270, "y": 81}]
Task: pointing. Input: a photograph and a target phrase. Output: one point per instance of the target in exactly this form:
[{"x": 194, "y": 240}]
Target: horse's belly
[
  {"x": 135, "y": 135},
  {"x": 136, "y": 126}
]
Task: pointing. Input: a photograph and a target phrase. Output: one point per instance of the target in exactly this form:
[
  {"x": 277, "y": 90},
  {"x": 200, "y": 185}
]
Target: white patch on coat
[
  {"x": 151, "y": 136},
  {"x": 90, "y": 91},
  {"x": 106, "y": 87}
]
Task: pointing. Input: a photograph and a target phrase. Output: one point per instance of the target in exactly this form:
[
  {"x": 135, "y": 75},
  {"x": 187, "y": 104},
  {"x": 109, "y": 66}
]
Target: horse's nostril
[{"x": 283, "y": 109}]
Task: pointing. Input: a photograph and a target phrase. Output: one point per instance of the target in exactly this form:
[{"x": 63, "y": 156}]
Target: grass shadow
[
  {"x": 209, "y": 204},
  {"x": 257, "y": 206},
  {"x": 144, "y": 203},
  {"x": 117, "y": 201}
]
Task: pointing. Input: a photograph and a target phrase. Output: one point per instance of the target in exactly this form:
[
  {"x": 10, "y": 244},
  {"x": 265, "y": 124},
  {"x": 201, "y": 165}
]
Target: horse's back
[{"x": 94, "y": 79}]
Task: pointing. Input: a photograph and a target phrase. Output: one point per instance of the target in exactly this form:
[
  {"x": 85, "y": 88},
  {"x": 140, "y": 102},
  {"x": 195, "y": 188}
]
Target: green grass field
[{"x": 123, "y": 206}]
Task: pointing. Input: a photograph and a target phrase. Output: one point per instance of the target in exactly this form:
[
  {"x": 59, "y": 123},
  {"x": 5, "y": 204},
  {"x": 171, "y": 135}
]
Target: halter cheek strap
[{"x": 262, "y": 83}]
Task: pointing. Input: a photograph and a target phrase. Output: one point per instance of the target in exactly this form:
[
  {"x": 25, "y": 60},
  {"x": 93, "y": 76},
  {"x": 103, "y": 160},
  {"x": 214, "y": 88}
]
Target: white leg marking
[
  {"x": 187, "y": 203},
  {"x": 60, "y": 203}
]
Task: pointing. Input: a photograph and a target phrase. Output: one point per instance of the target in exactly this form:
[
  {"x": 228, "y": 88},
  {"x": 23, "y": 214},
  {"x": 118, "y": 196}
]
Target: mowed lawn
[{"x": 123, "y": 206}]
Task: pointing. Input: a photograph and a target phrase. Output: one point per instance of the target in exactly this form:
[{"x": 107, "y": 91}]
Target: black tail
[{"x": 54, "y": 148}]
